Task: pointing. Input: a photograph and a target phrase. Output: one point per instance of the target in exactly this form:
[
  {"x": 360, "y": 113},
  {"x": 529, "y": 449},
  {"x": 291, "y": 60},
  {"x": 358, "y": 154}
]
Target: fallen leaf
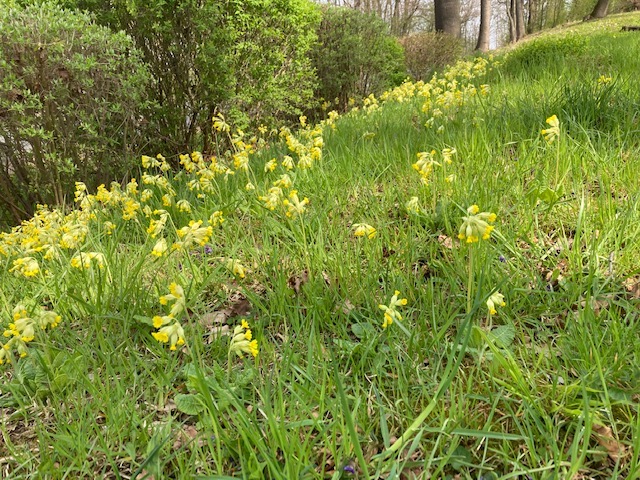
[
  {"x": 445, "y": 241},
  {"x": 297, "y": 281},
  {"x": 604, "y": 436}
]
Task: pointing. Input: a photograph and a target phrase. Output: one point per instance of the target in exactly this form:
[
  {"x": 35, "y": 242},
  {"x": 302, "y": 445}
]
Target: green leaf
[
  {"x": 461, "y": 457},
  {"x": 189, "y": 403},
  {"x": 362, "y": 330},
  {"x": 502, "y": 336}
]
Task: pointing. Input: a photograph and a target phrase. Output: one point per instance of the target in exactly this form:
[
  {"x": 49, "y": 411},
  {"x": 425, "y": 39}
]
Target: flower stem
[{"x": 470, "y": 282}]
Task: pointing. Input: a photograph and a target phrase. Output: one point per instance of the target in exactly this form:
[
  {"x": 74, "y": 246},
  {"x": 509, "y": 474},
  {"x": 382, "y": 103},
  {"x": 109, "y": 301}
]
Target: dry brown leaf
[
  {"x": 445, "y": 241},
  {"x": 185, "y": 436},
  {"x": 632, "y": 285},
  {"x": 347, "y": 307},
  {"x": 297, "y": 281},
  {"x": 604, "y": 436}
]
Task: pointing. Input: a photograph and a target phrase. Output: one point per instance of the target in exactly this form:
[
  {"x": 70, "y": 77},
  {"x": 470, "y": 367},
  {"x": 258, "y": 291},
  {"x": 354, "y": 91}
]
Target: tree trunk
[
  {"x": 600, "y": 10},
  {"x": 517, "y": 29},
  {"x": 521, "y": 30},
  {"x": 447, "y": 13},
  {"x": 485, "y": 26}
]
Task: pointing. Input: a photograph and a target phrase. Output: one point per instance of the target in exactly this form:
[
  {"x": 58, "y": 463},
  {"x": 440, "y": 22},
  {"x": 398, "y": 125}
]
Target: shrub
[
  {"x": 427, "y": 52},
  {"x": 71, "y": 99},
  {"x": 246, "y": 59},
  {"x": 355, "y": 56}
]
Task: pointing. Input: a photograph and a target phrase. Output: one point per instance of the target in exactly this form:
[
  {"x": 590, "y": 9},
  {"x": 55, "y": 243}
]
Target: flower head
[
  {"x": 390, "y": 311},
  {"x": 553, "y": 131},
  {"x": 294, "y": 205},
  {"x": 476, "y": 225},
  {"x": 497, "y": 299},
  {"x": 364, "y": 229},
  {"x": 242, "y": 342}
]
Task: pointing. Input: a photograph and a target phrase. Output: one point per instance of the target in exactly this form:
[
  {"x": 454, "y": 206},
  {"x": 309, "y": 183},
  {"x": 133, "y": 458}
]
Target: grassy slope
[{"x": 547, "y": 387}]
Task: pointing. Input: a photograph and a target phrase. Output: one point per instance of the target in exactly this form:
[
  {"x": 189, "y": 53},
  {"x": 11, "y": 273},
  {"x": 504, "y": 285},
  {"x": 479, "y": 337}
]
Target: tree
[
  {"x": 517, "y": 29},
  {"x": 485, "y": 26},
  {"x": 600, "y": 10},
  {"x": 447, "y": 13}
]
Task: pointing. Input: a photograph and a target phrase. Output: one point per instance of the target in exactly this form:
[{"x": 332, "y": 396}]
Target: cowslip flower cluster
[
  {"x": 551, "y": 133},
  {"x": 242, "y": 341},
  {"x": 424, "y": 165},
  {"x": 475, "y": 225},
  {"x": 193, "y": 234},
  {"x": 294, "y": 205},
  {"x": 23, "y": 328},
  {"x": 364, "y": 230},
  {"x": 26, "y": 266},
  {"x": 169, "y": 329},
  {"x": 496, "y": 299},
  {"x": 390, "y": 311}
]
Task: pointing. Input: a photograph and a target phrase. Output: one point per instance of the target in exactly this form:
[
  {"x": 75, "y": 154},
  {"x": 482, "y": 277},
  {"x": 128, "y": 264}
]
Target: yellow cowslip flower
[
  {"x": 287, "y": 162},
  {"x": 184, "y": 206},
  {"x": 390, "y": 311},
  {"x": 167, "y": 199},
  {"x": 604, "y": 80},
  {"x": 476, "y": 225},
  {"x": 192, "y": 234},
  {"x": 216, "y": 218},
  {"x": 249, "y": 187},
  {"x": 495, "y": 299},
  {"x": 241, "y": 160},
  {"x": 26, "y": 266},
  {"x": 129, "y": 209},
  {"x": 241, "y": 341},
  {"x": 447, "y": 154},
  {"x": 157, "y": 226},
  {"x": 172, "y": 334},
  {"x": 83, "y": 260},
  {"x": 219, "y": 124},
  {"x": 294, "y": 205},
  {"x": 132, "y": 187},
  {"x": 412, "y": 205},
  {"x": 177, "y": 296},
  {"x": 364, "y": 229},
  {"x": 553, "y": 131},
  {"x": 283, "y": 182},
  {"x": 146, "y": 194},
  {"x": 424, "y": 165},
  {"x": 81, "y": 192},
  {"x": 108, "y": 227},
  {"x": 273, "y": 198},
  {"x": 160, "y": 248},
  {"x": 149, "y": 162},
  {"x": 159, "y": 321},
  {"x": 235, "y": 267},
  {"x": 271, "y": 165},
  {"x": 305, "y": 162}
]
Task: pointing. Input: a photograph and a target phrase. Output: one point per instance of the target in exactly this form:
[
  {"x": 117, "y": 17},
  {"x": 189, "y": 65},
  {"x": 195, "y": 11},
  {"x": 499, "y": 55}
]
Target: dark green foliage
[
  {"x": 246, "y": 59},
  {"x": 427, "y": 52},
  {"x": 71, "y": 105},
  {"x": 355, "y": 56}
]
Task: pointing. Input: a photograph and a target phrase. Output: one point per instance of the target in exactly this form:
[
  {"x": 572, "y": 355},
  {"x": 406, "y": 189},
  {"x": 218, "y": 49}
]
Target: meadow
[{"x": 443, "y": 282}]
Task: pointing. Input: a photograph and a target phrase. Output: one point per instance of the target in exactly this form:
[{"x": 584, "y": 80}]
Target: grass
[{"x": 545, "y": 388}]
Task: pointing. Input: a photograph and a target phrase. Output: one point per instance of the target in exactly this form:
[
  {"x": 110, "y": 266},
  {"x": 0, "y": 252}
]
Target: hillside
[{"x": 443, "y": 282}]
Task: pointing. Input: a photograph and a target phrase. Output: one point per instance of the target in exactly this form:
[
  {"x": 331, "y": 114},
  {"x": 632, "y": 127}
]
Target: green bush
[
  {"x": 246, "y": 59},
  {"x": 71, "y": 105},
  {"x": 355, "y": 56},
  {"x": 427, "y": 52}
]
